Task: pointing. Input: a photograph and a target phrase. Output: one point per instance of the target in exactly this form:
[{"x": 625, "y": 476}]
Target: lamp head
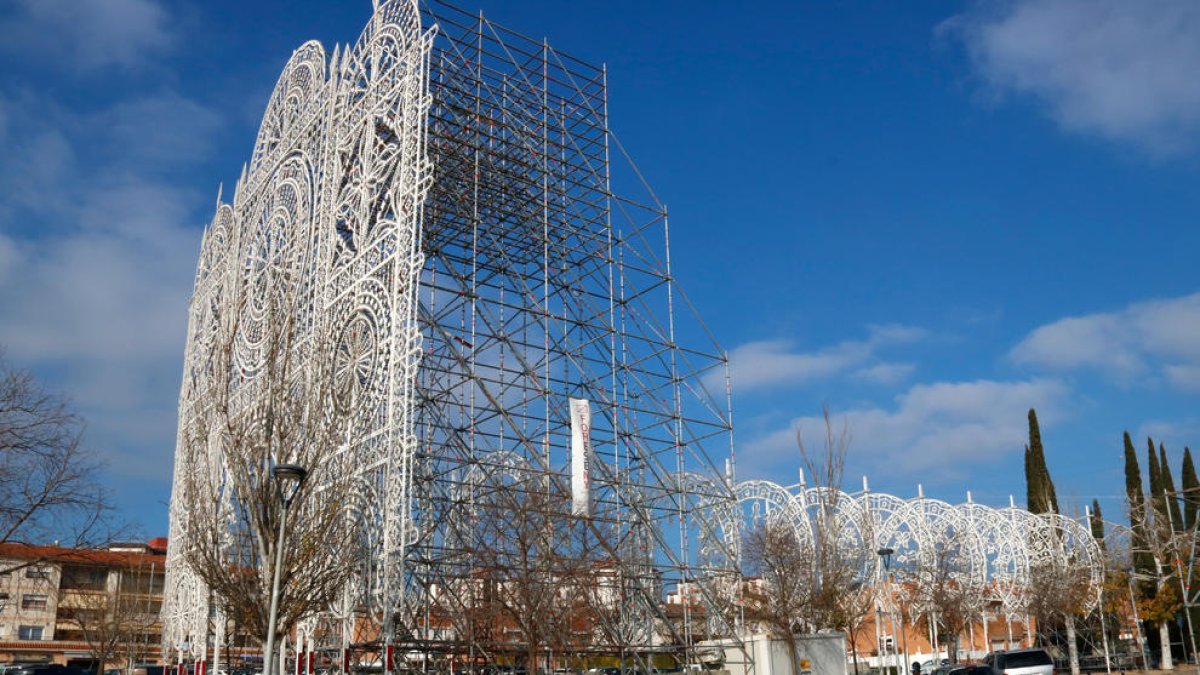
[
  {"x": 886, "y": 554},
  {"x": 288, "y": 478}
]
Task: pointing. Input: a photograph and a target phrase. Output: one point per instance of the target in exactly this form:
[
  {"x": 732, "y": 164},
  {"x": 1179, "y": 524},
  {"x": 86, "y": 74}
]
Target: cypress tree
[
  {"x": 1191, "y": 489},
  {"x": 1097, "y": 523},
  {"x": 1133, "y": 477},
  {"x": 1154, "y": 475},
  {"x": 1037, "y": 474},
  {"x": 1168, "y": 484},
  {"x": 1033, "y": 493}
]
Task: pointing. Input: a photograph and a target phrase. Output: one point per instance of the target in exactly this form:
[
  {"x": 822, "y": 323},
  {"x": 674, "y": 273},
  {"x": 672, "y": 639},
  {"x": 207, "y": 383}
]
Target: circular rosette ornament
[
  {"x": 356, "y": 357},
  {"x": 276, "y": 260}
]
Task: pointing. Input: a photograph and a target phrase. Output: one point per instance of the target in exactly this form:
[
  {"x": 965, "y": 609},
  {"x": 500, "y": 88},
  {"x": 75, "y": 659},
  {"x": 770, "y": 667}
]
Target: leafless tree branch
[
  {"x": 281, "y": 409},
  {"x": 49, "y": 487}
]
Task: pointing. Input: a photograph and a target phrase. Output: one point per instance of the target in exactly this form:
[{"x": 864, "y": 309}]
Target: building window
[
  {"x": 37, "y": 572},
  {"x": 83, "y": 578},
  {"x": 30, "y": 633},
  {"x": 33, "y": 602}
]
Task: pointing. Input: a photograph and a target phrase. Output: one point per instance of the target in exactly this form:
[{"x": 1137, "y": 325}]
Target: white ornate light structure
[
  {"x": 442, "y": 190},
  {"x": 997, "y": 549}
]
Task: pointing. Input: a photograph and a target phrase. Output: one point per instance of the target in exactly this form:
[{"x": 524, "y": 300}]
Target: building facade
[{"x": 79, "y": 607}]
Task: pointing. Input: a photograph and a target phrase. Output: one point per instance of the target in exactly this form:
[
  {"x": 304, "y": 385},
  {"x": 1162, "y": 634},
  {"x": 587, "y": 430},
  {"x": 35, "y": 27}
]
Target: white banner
[{"x": 581, "y": 457}]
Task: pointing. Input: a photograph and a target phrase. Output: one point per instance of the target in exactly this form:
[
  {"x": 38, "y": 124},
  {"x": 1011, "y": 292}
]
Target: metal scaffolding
[{"x": 541, "y": 285}]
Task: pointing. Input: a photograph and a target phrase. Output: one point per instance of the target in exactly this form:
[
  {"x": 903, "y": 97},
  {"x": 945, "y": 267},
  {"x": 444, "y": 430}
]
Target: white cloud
[
  {"x": 886, "y": 373},
  {"x": 104, "y": 292},
  {"x": 96, "y": 264},
  {"x": 1122, "y": 70},
  {"x": 86, "y": 34},
  {"x": 933, "y": 429},
  {"x": 35, "y": 159},
  {"x": 1155, "y": 339},
  {"x": 1175, "y": 435},
  {"x": 773, "y": 363},
  {"x": 160, "y": 128},
  {"x": 107, "y": 309},
  {"x": 1184, "y": 376}
]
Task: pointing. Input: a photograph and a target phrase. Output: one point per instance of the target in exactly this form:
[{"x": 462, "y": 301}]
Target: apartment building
[{"x": 79, "y": 606}]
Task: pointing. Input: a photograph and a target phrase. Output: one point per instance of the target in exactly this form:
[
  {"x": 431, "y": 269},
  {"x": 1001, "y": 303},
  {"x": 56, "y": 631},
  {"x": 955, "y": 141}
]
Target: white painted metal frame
[
  {"x": 333, "y": 195},
  {"x": 1000, "y": 546}
]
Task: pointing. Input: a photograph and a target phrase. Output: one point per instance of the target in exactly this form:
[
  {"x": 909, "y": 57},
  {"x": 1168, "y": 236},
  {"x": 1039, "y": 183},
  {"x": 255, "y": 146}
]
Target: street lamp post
[
  {"x": 885, "y": 556},
  {"x": 288, "y": 479}
]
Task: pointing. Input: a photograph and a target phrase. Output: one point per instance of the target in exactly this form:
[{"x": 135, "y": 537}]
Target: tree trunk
[
  {"x": 1072, "y": 646},
  {"x": 793, "y": 653},
  {"x": 1164, "y": 646}
]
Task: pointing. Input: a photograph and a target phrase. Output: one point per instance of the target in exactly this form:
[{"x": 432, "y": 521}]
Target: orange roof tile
[{"x": 101, "y": 557}]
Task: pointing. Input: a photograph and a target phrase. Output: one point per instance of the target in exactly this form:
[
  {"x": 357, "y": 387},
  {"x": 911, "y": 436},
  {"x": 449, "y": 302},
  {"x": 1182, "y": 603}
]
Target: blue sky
[{"x": 927, "y": 216}]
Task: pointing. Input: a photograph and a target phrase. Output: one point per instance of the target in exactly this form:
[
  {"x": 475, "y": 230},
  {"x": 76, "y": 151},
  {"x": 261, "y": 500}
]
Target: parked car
[{"x": 1033, "y": 661}]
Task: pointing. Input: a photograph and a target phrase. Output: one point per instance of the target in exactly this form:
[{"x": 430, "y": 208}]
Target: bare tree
[
  {"x": 941, "y": 591},
  {"x": 780, "y": 598},
  {"x": 841, "y": 557},
  {"x": 1060, "y": 591},
  {"x": 795, "y": 591},
  {"x": 535, "y": 561},
  {"x": 48, "y": 478},
  {"x": 858, "y": 609},
  {"x": 812, "y": 575},
  {"x": 269, "y": 397},
  {"x": 619, "y": 607}
]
